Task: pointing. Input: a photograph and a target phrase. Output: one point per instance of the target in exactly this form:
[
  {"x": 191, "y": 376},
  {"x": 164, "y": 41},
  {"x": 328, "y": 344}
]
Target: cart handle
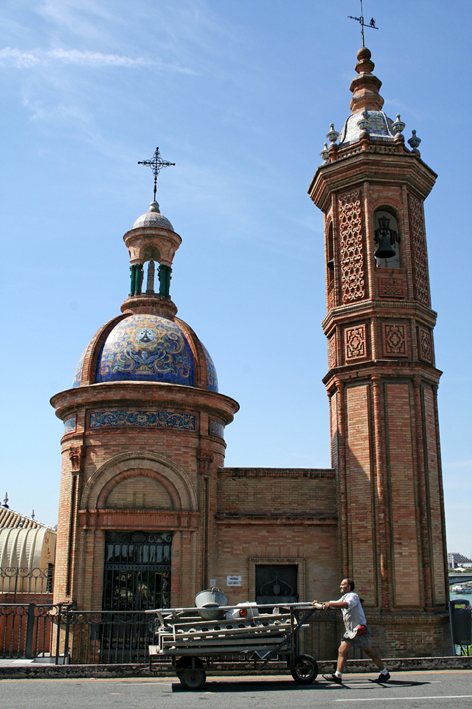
[{"x": 275, "y": 651}]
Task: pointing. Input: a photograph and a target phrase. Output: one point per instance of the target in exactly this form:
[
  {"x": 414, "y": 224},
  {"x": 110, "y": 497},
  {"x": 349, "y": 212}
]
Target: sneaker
[
  {"x": 333, "y": 678},
  {"x": 383, "y": 678}
]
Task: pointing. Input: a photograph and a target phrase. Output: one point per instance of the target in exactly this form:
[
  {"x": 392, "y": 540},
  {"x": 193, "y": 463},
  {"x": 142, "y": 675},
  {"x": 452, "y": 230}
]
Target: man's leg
[
  {"x": 384, "y": 675},
  {"x": 342, "y": 655},
  {"x": 373, "y": 655},
  {"x": 342, "y": 658}
]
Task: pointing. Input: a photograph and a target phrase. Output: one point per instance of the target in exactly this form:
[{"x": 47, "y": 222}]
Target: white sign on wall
[{"x": 233, "y": 580}]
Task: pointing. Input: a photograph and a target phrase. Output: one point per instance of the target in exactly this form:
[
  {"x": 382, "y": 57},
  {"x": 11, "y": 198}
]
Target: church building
[{"x": 149, "y": 515}]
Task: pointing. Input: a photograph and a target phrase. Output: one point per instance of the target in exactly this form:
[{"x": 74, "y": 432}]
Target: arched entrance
[{"x": 137, "y": 570}]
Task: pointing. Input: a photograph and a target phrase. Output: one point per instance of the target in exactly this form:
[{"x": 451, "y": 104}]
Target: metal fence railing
[
  {"x": 17, "y": 583},
  {"x": 61, "y": 634},
  {"x": 25, "y": 630}
]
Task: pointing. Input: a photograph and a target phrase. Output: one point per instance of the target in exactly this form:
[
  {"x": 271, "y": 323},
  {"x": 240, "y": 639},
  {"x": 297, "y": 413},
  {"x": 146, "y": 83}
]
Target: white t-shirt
[{"x": 353, "y": 615}]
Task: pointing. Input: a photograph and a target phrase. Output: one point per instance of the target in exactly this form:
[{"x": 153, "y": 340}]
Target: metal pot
[{"x": 208, "y": 603}]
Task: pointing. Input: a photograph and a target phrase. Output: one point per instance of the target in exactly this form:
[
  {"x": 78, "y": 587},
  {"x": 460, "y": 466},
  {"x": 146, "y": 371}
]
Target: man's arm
[
  {"x": 331, "y": 604},
  {"x": 335, "y": 604}
]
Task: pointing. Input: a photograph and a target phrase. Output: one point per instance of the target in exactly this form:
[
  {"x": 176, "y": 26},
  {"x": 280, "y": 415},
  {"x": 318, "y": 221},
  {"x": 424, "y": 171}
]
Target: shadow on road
[{"x": 216, "y": 686}]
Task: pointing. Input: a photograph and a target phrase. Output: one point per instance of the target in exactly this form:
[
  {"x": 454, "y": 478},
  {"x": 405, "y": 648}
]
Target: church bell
[
  {"x": 385, "y": 238},
  {"x": 385, "y": 248}
]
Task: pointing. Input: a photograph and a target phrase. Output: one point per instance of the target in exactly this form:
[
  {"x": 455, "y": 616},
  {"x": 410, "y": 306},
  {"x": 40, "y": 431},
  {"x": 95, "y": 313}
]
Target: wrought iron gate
[
  {"x": 136, "y": 578},
  {"x": 137, "y": 571}
]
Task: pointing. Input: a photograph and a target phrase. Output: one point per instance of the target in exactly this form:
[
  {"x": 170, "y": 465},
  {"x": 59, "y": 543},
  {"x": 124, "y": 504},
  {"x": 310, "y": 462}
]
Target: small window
[
  {"x": 276, "y": 583},
  {"x": 330, "y": 255},
  {"x": 387, "y": 239}
]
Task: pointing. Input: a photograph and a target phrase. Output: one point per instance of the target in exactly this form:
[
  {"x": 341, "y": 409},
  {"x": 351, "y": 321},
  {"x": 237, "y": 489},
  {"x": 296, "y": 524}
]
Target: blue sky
[{"x": 240, "y": 96}]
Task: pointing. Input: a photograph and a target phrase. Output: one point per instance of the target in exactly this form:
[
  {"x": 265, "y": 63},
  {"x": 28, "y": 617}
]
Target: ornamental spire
[
  {"x": 156, "y": 163},
  {"x": 365, "y": 87}
]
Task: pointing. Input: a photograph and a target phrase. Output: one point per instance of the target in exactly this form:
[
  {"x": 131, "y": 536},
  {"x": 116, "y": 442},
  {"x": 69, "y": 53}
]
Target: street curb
[{"x": 42, "y": 671}]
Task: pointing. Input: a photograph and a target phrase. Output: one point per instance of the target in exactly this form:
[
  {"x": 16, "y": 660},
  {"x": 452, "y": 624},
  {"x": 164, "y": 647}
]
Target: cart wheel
[
  {"x": 192, "y": 679},
  {"x": 305, "y": 669}
]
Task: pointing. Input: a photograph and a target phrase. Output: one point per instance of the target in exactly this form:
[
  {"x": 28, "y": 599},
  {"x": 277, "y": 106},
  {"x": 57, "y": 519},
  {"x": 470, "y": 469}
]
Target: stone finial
[
  {"x": 325, "y": 153},
  {"x": 398, "y": 125},
  {"x": 365, "y": 87},
  {"x": 332, "y": 134},
  {"x": 414, "y": 142}
]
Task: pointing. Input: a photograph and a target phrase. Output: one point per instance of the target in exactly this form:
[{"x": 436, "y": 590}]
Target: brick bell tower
[
  {"x": 143, "y": 441},
  {"x": 382, "y": 380}
]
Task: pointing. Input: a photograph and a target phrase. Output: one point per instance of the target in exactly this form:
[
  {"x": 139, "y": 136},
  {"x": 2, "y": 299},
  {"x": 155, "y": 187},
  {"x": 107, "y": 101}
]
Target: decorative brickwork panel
[
  {"x": 331, "y": 296},
  {"x": 352, "y": 250},
  {"x": 216, "y": 428},
  {"x": 332, "y": 352},
  {"x": 392, "y": 287},
  {"x": 418, "y": 250},
  {"x": 425, "y": 345},
  {"x": 404, "y": 523},
  {"x": 140, "y": 419},
  {"x": 434, "y": 501},
  {"x": 394, "y": 340},
  {"x": 355, "y": 342},
  {"x": 359, "y": 487}
]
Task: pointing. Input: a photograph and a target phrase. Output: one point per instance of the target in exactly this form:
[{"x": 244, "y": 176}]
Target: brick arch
[
  {"x": 134, "y": 474},
  {"x": 117, "y": 469},
  {"x": 391, "y": 204}
]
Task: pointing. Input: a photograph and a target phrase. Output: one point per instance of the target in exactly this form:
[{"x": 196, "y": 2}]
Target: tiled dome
[
  {"x": 153, "y": 217},
  {"x": 150, "y": 348},
  {"x": 379, "y": 126}
]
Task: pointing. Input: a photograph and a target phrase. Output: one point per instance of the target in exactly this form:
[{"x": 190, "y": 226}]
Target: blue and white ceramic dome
[
  {"x": 379, "y": 127},
  {"x": 150, "y": 348},
  {"x": 154, "y": 218}
]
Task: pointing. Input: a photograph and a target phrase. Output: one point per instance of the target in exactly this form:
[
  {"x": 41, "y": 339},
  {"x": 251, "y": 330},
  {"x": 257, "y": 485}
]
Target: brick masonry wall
[
  {"x": 403, "y": 509},
  {"x": 359, "y": 482},
  {"x": 434, "y": 485},
  {"x": 277, "y": 516}
]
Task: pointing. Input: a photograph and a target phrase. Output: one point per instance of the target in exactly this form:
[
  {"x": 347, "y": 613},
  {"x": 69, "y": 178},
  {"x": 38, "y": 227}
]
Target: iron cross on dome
[
  {"x": 362, "y": 23},
  {"x": 156, "y": 163}
]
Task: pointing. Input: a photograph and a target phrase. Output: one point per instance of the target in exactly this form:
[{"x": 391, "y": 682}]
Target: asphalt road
[{"x": 432, "y": 690}]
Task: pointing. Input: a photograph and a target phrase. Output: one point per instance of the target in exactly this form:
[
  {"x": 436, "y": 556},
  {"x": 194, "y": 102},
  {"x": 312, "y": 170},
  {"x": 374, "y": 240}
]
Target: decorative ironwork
[
  {"x": 362, "y": 23},
  {"x": 276, "y": 584},
  {"x": 137, "y": 571},
  {"x": 16, "y": 580},
  {"x": 25, "y": 630},
  {"x": 156, "y": 164}
]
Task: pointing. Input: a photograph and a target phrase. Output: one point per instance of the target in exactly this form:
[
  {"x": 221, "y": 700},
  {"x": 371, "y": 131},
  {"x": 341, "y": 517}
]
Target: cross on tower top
[
  {"x": 362, "y": 23},
  {"x": 156, "y": 163}
]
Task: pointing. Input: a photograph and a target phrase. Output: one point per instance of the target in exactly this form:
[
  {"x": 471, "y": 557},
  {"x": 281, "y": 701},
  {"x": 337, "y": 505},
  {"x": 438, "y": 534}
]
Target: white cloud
[{"x": 26, "y": 59}]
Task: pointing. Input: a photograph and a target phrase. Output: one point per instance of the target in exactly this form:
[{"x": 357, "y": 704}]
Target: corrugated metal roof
[{"x": 10, "y": 519}]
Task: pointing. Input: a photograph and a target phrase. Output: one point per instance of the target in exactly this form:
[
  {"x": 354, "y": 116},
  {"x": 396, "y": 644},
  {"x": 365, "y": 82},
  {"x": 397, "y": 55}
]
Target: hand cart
[{"x": 196, "y": 646}]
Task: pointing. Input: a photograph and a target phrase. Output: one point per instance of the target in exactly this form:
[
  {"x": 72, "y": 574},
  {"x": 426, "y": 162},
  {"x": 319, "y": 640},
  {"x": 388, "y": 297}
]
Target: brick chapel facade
[{"x": 149, "y": 515}]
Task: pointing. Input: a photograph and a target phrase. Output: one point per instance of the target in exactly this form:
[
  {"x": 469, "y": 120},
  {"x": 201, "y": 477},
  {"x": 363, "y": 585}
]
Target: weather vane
[
  {"x": 362, "y": 23},
  {"x": 156, "y": 163}
]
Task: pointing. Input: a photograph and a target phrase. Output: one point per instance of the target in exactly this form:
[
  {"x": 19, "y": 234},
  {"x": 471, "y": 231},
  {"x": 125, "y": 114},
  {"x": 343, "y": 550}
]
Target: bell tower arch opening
[{"x": 387, "y": 238}]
